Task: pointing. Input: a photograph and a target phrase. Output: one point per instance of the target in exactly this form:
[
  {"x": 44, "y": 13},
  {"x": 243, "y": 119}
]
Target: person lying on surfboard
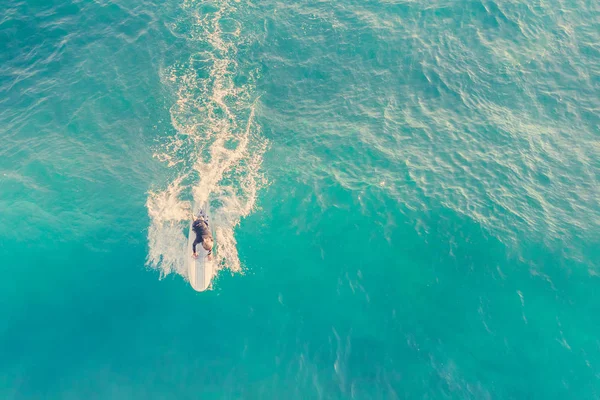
[{"x": 203, "y": 233}]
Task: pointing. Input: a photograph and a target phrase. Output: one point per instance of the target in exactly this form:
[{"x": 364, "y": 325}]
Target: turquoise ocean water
[{"x": 405, "y": 196}]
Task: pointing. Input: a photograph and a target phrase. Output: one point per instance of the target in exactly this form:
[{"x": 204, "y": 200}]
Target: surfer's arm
[{"x": 195, "y": 243}]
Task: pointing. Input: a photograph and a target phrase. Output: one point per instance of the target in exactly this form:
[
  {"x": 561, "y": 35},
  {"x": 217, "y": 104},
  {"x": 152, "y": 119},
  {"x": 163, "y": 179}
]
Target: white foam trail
[
  {"x": 217, "y": 150},
  {"x": 167, "y": 242}
]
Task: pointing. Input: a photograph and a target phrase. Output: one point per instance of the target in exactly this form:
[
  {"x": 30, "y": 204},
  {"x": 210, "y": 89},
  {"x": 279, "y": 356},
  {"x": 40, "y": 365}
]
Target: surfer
[{"x": 203, "y": 233}]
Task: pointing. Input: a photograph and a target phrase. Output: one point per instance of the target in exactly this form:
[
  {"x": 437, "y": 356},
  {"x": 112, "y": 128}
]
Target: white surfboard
[{"x": 201, "y": 269}]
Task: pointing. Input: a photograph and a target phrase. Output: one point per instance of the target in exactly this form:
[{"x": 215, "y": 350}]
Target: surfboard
[{"x": 201, "y": 269}]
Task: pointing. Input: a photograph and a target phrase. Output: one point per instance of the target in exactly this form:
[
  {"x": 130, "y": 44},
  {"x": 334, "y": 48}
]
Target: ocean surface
[{"x": 405, "y": 193}]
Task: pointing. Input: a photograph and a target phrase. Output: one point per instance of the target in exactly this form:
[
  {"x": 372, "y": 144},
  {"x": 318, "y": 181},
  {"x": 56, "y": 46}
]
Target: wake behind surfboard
[{"x": 201, "y": 269}]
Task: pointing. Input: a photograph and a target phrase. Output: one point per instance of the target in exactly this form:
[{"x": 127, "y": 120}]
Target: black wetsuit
[{"x": 202, "y": 231}]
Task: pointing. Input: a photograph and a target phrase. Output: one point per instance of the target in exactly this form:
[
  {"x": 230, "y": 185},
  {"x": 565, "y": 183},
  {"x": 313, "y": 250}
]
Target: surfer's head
[{"x": 207, "y": 244}]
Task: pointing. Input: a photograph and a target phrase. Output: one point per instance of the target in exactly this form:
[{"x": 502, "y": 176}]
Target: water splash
[{"x": 217, "y": 149}]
